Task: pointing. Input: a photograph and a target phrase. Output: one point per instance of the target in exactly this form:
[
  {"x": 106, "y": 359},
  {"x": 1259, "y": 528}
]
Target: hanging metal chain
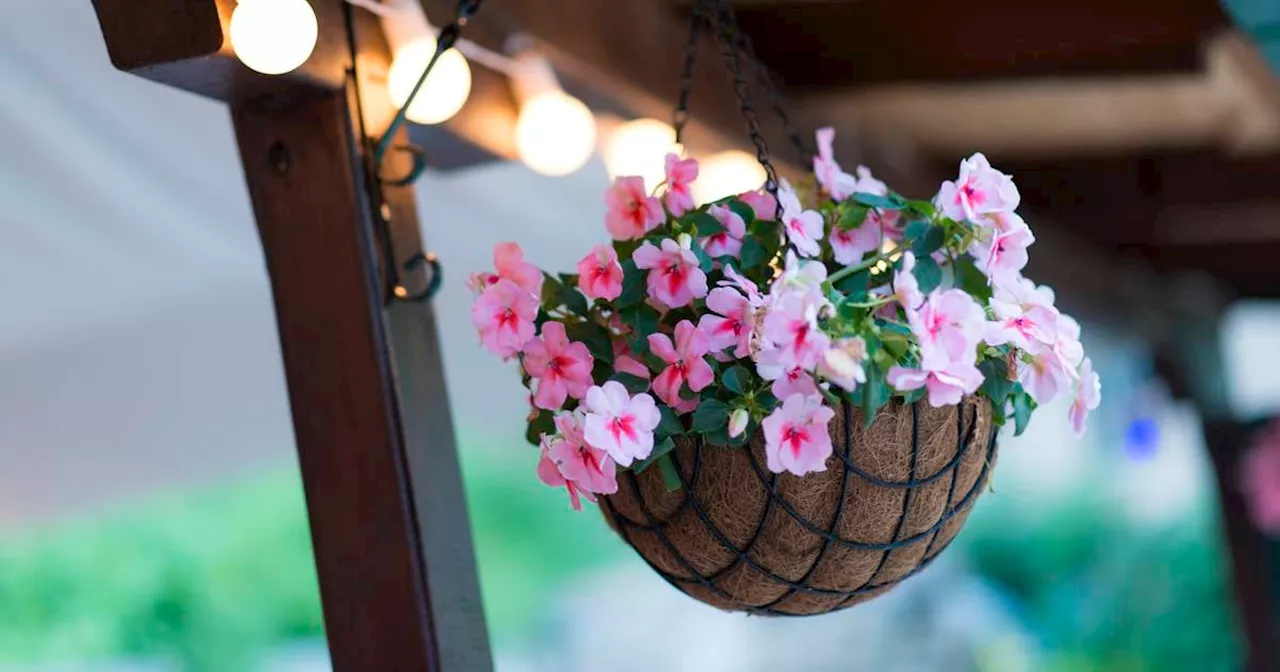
[
  {"x": 733, "y": 61},
  {"x": 680, "y": 117},
  {"x": 776, "y": 99}
]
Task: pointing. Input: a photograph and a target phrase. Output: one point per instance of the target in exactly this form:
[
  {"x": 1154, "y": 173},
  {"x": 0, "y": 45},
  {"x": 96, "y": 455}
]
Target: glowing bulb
[
  {"x": 273, "y": 36},
  {"x": 727, "y": 174},
  {"x": 555, "y": 133},
  {"x": 640, "y": 147},
  {"x": 445, "y": 90}
]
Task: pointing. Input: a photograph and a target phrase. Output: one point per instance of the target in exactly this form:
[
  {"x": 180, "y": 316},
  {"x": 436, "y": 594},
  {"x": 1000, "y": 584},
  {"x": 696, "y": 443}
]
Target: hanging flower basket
[{"x": 786, "y": 400}]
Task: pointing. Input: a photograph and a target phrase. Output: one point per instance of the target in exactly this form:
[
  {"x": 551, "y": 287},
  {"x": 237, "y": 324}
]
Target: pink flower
[
  {"x": 949, "y": 324},
  {"x": 1006, "y": 251},
  {"x": 803, "y": 278},
  {"x": 787, "y": 382},
  {"x": 508, "y": 260},
  {"x": 762, "y": 203},
  {"x": 842, "y": 363},
  {"x": 979, "y": 190},
  {"x": 729, "y": 241},
  {"x": 886, "y": 222},
  {"x": 674, "y": 277},
  {"x": 685, "y": 365},
  {"x": 631, "y": 211},
  {"x": 1030, "y": 330},
  {"x": 620, "y": 424},
  {"x": 906, "y": 289},
  {"x": 549, "y": 473},
  {"x": 791, "y": 328},
  {"x": 1042, "y": 376},
  {"x": 732, "y": 322},
  {"x": 1259, "y": 479},
  {"x": 803, "y": 227},
  {"x": 796, "y": 436},
  {"x": 600, "y": 274},
  {"x": 748, "y": 288},
  {"x": 561, "y": 368},
  {"x": 1069, "y": 351},
  {"x": 946, "y": 381},
  {"x": 839, "y": 184},
  {"x": 849, "y": 246},
  {"x": 1088, "y": 396},
  {"x": 680, "y": 176},
  {"x": 504, "y": 316}
]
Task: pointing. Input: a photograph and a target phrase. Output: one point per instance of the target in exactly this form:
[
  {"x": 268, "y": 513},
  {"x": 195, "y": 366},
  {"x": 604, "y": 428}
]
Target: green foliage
[
  {"x": 594, "y": 336},
  {"x": 710, "y": 415},
  {"x": 928, "y": 274},
  {"x": 660, "y": 450}
]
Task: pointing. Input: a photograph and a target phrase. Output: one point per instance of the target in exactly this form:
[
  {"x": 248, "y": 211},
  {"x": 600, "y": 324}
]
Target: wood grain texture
[{"x": 298, "y": 162}]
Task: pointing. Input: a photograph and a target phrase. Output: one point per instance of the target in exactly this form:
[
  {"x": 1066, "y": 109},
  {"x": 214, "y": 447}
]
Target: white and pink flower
[
  {"x": 509, "y": 263},
  {"x": 731, "y": 323},
  {"x": 793, "y": 336},
  {"x": 600, "y": 274},
  {"x": 685, "y": 365},
  {"x": 906, "y": 288},
  {"x": 1087, "y": 397},
  {"x": 796, "y": 436},
  {"x": 842, "y": 363},
  {"x": 620, "y": 424},
  {"x": 787, "y": 382},
  {"x": 561, "y": 368},
  {"x": 504, "y": 315},
  {"x": 762, "y": 203},
  {"x": 946, "y": 381},
  {"x": 980, "y": 190},
  {"x": 948, "y": 326},
  {"x": 804, "y": 228},
  {"x": 674, "y": 279},
  {"x": 838, "y": 184},
  {"x": 632, "y": 212},
  {"x": 727, "y": 243}
]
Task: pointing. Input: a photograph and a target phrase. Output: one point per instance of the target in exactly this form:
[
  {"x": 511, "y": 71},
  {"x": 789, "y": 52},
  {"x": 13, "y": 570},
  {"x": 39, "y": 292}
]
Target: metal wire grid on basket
[{"x": 964, "y": 438}]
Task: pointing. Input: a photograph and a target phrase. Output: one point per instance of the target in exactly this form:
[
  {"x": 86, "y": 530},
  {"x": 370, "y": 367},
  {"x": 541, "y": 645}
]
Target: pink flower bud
[{"x": 738, "y": 422}]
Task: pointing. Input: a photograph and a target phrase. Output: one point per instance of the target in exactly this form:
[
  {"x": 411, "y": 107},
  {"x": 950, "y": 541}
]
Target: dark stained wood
[
  {"x": 843, "y": 44},
  {"x": 319, "y": 252}
]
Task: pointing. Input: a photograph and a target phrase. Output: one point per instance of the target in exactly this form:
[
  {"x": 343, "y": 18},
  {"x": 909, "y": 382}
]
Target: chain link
[
  {"x": 733, "y": 61},
  {"x": 776, "y": 99},
  {"x": 680, "y": 116}
]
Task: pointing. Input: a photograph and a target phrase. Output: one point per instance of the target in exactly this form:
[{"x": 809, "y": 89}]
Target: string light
[
  {"x": 640, "y": 147},
  {"x": 726, "y": 174},
  {"x": 413, "y": 42},
  {"x": 555, "y": 132},
  {"x": 273, "y": 36}
]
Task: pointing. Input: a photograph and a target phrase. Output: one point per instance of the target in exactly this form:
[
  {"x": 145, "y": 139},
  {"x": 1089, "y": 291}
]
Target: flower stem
[
  {"x": 870, "y": 304},
  {"x": 864, "y": 265}
]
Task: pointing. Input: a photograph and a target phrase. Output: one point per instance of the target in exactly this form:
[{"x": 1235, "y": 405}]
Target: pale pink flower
[
  {"x": 949, "y": 323},
  {"x": 787, "y": 382},
  {"x": 674, "y": 277},
  {"x": 1042, "y": 376},
  {"x": 1259, "y": 479},
  {"x": 680, "y": 176},
  {"x": 1006, "y": 251},
  {"x": 803, "y": 277},
  {"x": 549, "y": 473},
  {"x": 1069, "y": 351},
  {"x": 791, "y": 329},
  {"x": 838, "y": 183},
  {"x": 685, "y": 364},
  {"x": 729, "y": 241},
  {"x": 1016, "y": 291},
  {"x": 1088, "y": 396},
  {"x": 946, "y": 381},
  {"x": 850, "y": 246},
  {"x": 906, "y": 289},
  {"x": 1031, "y": 330},
  {"x": 979, "y": 190},
  {"x": 600, "y": 274},
  {"x": 842, "y": 363},
  {"x": 738, "y": 420},
  {"x": 631, "y": 211},
  {"x": 796, "y": 436},
  {"x": 731, "y": 322},
  {"x": 509, "y": 263},
  {"x": 620, "y": 424},
  {"x": 804, "y": 227},
  {"x": 748, "y": 288},
  {"x": 762, "y": 203},
  {"x": 624, "y": 362},
  {"x": 504, "y": 316},
  {"x": 886, "y": 222},
  {"x": 561, "y": 368}
]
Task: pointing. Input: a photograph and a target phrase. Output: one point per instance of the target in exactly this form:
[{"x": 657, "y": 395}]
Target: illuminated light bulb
[
  {"x": 555, "y": 133},
  {"x": 446, "y": 88},
  {"x": 640, "y": 147},
  {"x": 273, "y": 36},
  {"x": 727, "y": 173}
]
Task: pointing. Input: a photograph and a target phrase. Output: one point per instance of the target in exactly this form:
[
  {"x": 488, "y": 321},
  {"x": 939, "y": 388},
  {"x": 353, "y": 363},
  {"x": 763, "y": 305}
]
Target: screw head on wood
[{"x": 278, "y": 157}]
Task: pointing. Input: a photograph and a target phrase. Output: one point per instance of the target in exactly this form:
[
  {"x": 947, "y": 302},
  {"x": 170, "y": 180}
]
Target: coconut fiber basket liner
[{"x": 741, "y": 538}]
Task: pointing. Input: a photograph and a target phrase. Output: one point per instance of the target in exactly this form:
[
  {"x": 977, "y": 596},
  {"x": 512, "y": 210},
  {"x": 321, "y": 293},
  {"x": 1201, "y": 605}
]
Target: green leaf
[
  {"x": 642, "y": 320},
  {"x": 670, "y": 477},
  {"x": 669, "y": 424},
  {"x": 922, "y": 208},
  {"x": 711, "y": 414},
  {"x": 633, "y": 287},
  {"x": 832, "y": 399},
  {"x": 572, "y": 300},
  {"x": 736, "y": 379},
  {"x": 875, "y": 393},
  {"x": 542, "y": 423},
  {"x": 704, "y": 259},
  {"x": 972, "y": 280},
  {"x": 594, "y": 336},
  {"x": 995, "y": 380},
  {"x": 928, "y": 274},
  {"x": 915, "y": 231},
  {"x": 601, "y": 373},
  {"x": 878, "y": 201},
  {"x": 854, "y": 286},
  {"x": 625, "y": 248},
  {"x": 1023, "y": 405},
  {"x": 705, "y": 224},
  {"x": 851, "y": 215},
  {"x": 569, "y": 279},
  {"x": 912, "y": 396},
  {"x": 551, "y": 289},
  {"x": 753, "y": 253},
  {"x": 928, "y": 243},
  {"x": 660, "y": 450},
  {"x": 634, "y": 384},
  {"x": 746, "y": 212}
]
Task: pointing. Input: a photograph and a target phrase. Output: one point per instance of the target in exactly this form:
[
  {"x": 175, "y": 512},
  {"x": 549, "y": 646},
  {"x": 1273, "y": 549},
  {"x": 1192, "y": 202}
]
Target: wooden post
[{"x": 366, "y": 387}]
